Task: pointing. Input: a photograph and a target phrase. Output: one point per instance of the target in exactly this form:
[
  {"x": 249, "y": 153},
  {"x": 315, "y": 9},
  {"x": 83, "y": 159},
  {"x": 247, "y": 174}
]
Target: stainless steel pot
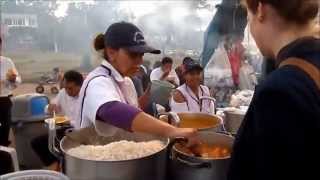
[
  {"x": 233, "y": 121},
  {"x": 185, "y": 167},
  {"x": 149, "y": 167},
  {"x": 176, "y": 118}
]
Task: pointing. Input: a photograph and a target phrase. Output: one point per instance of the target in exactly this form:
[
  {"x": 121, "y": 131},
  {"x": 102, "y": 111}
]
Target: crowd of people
[{"x": 278, "y": 137}]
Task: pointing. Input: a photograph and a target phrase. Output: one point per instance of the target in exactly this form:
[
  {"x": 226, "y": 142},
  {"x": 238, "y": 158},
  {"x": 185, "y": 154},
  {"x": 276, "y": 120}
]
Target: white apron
[{"x": 102, "y": 85}]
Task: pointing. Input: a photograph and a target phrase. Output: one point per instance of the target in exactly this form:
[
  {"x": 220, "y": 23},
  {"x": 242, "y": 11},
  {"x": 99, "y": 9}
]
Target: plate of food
[{"x": 58, "y": 120}]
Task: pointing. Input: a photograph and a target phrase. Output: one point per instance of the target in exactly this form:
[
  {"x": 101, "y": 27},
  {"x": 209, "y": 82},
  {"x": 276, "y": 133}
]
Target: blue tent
[{"x": 229, "y": 20}]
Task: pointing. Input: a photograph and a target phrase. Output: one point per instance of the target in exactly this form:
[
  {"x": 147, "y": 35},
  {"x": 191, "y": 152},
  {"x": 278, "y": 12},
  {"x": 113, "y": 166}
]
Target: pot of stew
[{"x": 206, "y": 161}]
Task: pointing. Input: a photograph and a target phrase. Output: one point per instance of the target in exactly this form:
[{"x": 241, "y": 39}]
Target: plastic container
[
  {"x": 29, "y": 107},
  {"x": 28, "y": 114},
  {"x": 34, "y": 175},
  {"x": 8, "y": 156},
  {"x": 161, "y": 91},
  {"x": 38, "y": 105}
]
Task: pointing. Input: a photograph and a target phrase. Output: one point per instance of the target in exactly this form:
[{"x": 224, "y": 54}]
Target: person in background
[
  {"x": 267, "y": 67},
  {"x": 180, "y": 69},
  {"x": 65, "y": 102},
  {"x": 279, "y": 136},
  {"x": 9, "y": 78},
  {"x": 236, "y": 57},
  {"x": 57, "y": 76},
  {"x": 108, "y": 100},
  {"x": 247, "y": 76},
  {"x": 156, "y": 65},
  {"x": 187, "y": 97},
  {"x": 141, "y": 82},
  {"x": 147, "y": 65},
  {"x": 138, "y": 80},
  {"x": 145, "y": 76},
  {"x": 165, "y": 72}
]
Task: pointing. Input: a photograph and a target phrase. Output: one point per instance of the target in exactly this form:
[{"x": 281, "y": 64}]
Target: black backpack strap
[{"x": 85, "y": 90}]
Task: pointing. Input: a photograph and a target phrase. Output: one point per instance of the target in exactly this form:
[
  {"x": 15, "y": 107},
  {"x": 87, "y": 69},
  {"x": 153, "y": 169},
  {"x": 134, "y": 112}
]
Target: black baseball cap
[
  {"x": 127, "y": 35},
  {"x": 192, "y": 65},
  {"x": 186, "y": 60}
]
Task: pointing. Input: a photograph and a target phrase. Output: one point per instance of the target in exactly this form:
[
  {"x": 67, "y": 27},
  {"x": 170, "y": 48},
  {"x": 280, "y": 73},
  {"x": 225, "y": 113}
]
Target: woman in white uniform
[
  {"x": 108, "y": 99},
  {"x": 189, "y": 97}
]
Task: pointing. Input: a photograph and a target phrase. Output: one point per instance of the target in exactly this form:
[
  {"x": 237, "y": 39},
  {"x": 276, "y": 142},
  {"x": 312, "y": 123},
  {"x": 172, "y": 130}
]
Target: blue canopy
[{"x": 229, "y": 20}]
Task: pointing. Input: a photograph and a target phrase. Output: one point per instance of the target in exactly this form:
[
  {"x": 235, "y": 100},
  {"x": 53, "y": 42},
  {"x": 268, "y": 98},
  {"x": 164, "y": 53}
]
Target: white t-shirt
[
  {"x": 157, "y": 73},
  {"x": 192, "y": 103},
  {"x": 6, "y": 87},
  {"x": 102, "y": 85},
  {"x": 66, "y": 104}
]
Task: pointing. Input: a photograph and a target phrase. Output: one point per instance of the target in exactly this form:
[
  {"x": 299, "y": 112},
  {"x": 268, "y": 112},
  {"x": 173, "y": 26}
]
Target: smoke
[
  {"x": 65, "y": 29},
  {"x": 166, "y": 24}
]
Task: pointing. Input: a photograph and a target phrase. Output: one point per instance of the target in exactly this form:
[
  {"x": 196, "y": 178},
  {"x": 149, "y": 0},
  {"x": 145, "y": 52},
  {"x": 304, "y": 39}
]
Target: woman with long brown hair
[{"x": 279, "y": 137}]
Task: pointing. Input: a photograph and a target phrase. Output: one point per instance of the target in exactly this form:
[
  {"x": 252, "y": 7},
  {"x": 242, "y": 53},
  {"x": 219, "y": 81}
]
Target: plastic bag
[
  {"x": 241, "y": 98},
  {"x": 218, "y": 73}
]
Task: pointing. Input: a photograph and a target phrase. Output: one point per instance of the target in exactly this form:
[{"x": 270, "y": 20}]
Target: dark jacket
[{"x": 280, "y": 135}]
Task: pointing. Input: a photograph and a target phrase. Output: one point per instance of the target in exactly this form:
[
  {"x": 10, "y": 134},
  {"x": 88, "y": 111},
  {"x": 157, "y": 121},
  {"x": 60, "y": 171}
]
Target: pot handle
[
  {"x": 190, "y": 164},
  {"x": 52, "y": 140},
  {"x": 193, "y": 164},
  {"x": 226, "y": 133},
  {"x": 176, "y": 140},
  {"x": 224, "y": 130},
  {"x": 171, "y": 144},
  {"x": 173, "y": 119}
]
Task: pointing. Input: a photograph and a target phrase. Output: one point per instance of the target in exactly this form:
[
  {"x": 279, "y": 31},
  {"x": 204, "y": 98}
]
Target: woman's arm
[
  {"x": 133, "y": 119},
  {"x": 148, "y": 124},
  {"x": 117, "y": 114}
]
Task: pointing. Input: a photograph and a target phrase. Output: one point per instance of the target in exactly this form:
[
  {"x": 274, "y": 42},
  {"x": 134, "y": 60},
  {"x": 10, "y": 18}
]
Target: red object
[{"x": 235, "y": 57}]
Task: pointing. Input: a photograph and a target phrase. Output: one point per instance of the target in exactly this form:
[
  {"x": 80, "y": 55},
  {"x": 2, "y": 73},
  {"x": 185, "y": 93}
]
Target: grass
[{"x": 32, "y": 65}]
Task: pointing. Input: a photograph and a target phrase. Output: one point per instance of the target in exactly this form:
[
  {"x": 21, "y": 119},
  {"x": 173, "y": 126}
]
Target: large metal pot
[
  {"x": 185, "y": 167},
  {"x": 233, "y": 120},
  {"x": 149, "y": 167},
  {"x": 179, "y": 118}
]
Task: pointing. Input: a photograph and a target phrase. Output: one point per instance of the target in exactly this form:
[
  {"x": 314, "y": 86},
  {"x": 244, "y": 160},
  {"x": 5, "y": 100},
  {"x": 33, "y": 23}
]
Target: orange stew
[
  {"x": 198, "y": 123},
  {"x": 205, "y": 151}
]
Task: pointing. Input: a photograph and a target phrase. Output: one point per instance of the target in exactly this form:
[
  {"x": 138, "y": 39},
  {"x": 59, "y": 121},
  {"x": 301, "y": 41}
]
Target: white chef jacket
[
  {"x": 102, "y": 85},
  {"x": 6, "y": 87},
  {"x": 66, "y": 104},
  {"x": 193, "y": 104},
  {"x": 157, "y": 73}
]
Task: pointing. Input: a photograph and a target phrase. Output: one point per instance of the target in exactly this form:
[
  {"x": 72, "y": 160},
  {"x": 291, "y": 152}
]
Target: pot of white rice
[{"x": 124, "y": 156}]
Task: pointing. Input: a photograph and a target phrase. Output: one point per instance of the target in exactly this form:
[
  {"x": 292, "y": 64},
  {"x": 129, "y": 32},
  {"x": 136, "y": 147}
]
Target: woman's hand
[
  {"x": 53, "y": 108},
  {"x": 147, "y": 124},
  {"x": 189, "y": 133},
  {"x": 165, "y": 75}
]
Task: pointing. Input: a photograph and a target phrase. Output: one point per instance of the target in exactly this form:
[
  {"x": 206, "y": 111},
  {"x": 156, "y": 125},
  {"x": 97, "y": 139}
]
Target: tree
[
  {"x": 168, "y": 29},
  {"x": 44, "y": 10}
]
